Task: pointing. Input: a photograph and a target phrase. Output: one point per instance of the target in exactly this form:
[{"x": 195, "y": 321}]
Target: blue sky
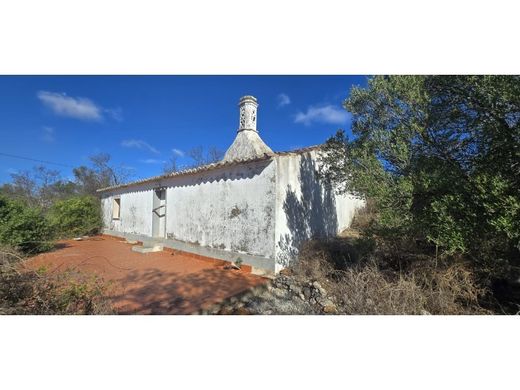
[{"x": 142, "y": 120}]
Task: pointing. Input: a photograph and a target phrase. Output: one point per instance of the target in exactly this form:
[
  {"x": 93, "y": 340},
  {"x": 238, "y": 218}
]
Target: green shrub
[
  {"x": 23, "y": 227},
  {"x": 77, "y": 216},
  {"x": 438, "y": 156}
]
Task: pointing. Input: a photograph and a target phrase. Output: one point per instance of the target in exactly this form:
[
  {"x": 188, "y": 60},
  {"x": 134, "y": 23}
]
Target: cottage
[{"x": 256, "y": 205}]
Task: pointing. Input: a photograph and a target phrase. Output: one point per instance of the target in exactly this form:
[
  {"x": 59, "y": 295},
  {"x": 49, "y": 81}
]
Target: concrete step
[{"x": 147, "y": 248}]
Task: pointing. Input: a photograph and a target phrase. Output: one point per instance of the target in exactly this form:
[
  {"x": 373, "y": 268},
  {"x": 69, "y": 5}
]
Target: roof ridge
[
  {"x": 187, "y": 171},
  {"x": 209, "y": 167}
]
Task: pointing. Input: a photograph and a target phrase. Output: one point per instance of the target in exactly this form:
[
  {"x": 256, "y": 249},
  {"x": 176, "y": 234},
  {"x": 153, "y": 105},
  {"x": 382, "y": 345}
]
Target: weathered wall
[
  {"x": 136, "y": 206},
  {"x": 305, "y": 208},
  {"x": 267, "y": 208},
  {"x": 231, "y": 208}
]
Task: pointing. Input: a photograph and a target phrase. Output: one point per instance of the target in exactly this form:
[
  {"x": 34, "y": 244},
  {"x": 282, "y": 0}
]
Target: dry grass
[
  {"x": 366, "y": 288},
  {"x": 27, "y": 291}
]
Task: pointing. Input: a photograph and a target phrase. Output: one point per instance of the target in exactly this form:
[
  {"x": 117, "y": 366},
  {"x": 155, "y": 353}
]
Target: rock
[
  {"x": 296, "y": 290},
  {"x": 329, "y": 307},
  {"x": 322, "y": 301},
  {"x": 307, "y": 292},
  {"x": 243, "y": 311},
  {"x": 319, "y": 288},
  {"x": 232, "y": 266},
  {"x": 286, "y": 272}
]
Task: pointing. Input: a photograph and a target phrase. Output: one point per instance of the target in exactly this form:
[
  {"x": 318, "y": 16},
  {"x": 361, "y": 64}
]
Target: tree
[
  {"x": 171, "y": 165},
  {"x": 101, "y": 174},
  {"x": 198, "y": 157},
  {"x": 439, "y": 156},
  {"x": 214, "y": 155},
  {"x": 39, "y": 187}
]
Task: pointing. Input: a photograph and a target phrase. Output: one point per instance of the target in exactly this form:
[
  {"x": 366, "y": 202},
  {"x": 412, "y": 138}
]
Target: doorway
[{"x": 159, "y": 213}]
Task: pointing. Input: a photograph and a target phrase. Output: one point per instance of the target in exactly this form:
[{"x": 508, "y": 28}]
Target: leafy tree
[{"x": 440, "y": 157}]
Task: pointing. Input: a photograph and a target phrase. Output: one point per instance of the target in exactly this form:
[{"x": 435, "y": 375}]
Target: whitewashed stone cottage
[{"x": 255, "y": 205}]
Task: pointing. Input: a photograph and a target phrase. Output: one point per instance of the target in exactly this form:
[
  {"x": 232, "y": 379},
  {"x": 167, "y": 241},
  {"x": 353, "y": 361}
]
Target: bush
[
  {"x": 370, "y": 284},
  {"x": 77, "y": 216},
  {"x": 26, "y": 291},
  {"x": 23, "y": 227},
  {"x": 438, "y": 156}
]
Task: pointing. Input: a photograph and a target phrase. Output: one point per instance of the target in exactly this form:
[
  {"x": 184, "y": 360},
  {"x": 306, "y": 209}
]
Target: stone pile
[{"x": 283, "y": 295}]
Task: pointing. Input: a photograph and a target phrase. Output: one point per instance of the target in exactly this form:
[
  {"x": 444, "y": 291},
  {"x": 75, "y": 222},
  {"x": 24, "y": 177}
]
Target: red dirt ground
[{"x": 154, "y": 283}]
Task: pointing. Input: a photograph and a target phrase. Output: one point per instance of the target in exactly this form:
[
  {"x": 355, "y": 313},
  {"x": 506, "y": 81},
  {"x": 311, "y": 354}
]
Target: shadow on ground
[{"x": 153, "y": 291}]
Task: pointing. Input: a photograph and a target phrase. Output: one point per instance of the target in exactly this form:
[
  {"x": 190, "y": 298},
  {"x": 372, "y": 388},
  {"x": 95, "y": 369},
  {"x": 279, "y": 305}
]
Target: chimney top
[
  {"x": 248, "y": 106},
  {"x": 247, "y": 143}
]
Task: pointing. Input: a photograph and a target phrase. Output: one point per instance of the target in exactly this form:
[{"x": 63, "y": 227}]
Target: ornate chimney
[
  {"x": 247, "y": 144},
  {"x": 248, "y": 106}
]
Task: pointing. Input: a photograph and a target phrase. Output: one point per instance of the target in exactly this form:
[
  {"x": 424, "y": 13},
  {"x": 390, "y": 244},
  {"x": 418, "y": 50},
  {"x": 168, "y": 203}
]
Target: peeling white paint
[{"x": 265, "y": 207}]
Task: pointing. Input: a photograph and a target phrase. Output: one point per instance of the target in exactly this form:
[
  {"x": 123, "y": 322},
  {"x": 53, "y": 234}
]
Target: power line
[{"x": 35, "y": 160}]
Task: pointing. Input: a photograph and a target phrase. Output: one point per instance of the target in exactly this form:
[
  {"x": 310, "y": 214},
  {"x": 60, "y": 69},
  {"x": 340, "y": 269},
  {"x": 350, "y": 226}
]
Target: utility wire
[{"x": 33, "y": 159}]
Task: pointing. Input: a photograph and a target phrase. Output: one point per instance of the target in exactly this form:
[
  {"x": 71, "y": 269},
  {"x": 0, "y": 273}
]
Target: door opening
[{"x": 159, "y": 213}]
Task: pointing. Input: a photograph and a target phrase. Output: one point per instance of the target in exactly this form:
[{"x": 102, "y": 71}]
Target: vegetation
[
  {"x": 22, "y": 227},
  {"x": 38, "y": 206},
  {"x": 438, "y": 158},
  {"x": 77, "y": 216},
  {"x": 361, "y": 281},
  {"x": 198, "y": 158},
  {"x": 27, "y": 291}
]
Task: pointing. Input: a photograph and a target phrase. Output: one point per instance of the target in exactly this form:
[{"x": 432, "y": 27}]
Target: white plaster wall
[
  {"x": 264, "y": 208},
  {"x": 230, "y": 209},
  {"x": 346, "y": 206},
  {"x": 106, "y": 210},
  {"x": 135, "y": 215},
  {"x": 305, "y": 208}
]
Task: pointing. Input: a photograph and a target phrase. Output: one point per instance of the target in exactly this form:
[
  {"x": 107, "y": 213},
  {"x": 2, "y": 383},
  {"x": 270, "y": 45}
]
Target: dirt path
[{"x": 153, "y": 283}]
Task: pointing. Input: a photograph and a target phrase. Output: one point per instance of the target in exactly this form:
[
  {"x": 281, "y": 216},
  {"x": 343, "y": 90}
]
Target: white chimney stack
[
  {"x": 247, "y": 143},
  {"x": 248, "y": 107}
]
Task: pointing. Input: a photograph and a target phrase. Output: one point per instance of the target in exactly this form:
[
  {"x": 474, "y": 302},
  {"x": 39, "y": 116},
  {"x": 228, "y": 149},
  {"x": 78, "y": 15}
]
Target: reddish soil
[{"x": 168, "y": 282}]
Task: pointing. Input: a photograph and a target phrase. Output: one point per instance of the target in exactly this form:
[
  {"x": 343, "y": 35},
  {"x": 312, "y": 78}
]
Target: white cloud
[
  {"x": 76, "y": 107},
  {"x": 115, "y": 113},
  {"x": 152, "y": 161},
  {"x": 323, "y": 114},
  {"x": 139, "y": 144},
  {"x": 48, "y": 134},
  {"x": 283, "y": 100},
  {"x": 178, "y": 152}
]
